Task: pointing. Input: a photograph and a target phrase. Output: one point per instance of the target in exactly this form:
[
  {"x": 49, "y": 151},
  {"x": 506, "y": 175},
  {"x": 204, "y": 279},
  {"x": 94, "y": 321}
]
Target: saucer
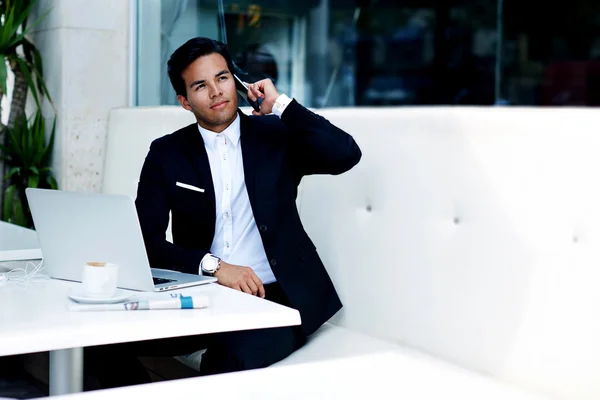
[{"x": 79, "y": 296}]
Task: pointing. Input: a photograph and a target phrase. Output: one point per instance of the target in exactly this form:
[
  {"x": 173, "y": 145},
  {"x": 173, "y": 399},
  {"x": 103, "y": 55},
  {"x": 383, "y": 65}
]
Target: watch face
[{"x": 210, "y": 264}]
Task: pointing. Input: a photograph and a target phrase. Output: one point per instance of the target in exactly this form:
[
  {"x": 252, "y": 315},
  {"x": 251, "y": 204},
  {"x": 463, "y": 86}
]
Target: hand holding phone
[
  {"x": 242, "y": 89},
  {"x": 264, "y": 93}
]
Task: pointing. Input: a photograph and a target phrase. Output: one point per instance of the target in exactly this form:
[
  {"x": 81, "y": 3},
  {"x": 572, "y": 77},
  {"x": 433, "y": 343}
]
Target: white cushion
[
  {"x": 331, "y": 341},
  {"x": 471, "y": 233},
  {"x": 130, "y": 133}
]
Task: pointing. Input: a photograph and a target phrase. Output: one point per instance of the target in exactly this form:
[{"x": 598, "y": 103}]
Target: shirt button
[
  {"x": 273, "y": 262},
  {"x": 226, "y": 187},
  {"x": 224, "y": 157},
  {"x": 263, "y": 228},
  {"x": 227, "y": 244},
  {"x": 226, "y": 215}
]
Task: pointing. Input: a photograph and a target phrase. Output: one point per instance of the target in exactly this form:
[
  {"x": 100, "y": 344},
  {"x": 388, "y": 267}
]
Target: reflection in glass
[{"x": 340, "y": 53}]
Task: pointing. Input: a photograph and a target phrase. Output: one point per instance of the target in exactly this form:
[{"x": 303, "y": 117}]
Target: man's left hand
[{"x": 264, "y": 89}]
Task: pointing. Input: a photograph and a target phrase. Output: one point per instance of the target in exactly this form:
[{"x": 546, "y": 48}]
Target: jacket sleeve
[
  {"x": 153, "y": 207},
  {"x": 318, "y": 146}
]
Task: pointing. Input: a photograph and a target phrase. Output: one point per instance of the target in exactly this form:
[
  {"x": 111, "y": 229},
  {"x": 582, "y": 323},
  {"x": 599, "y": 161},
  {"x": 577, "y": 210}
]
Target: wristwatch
[{"x": 210, "y": 264}]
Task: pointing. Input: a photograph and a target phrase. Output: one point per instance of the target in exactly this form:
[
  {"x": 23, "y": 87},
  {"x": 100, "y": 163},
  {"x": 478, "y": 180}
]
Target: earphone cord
[{"x": 24, "y": 275}]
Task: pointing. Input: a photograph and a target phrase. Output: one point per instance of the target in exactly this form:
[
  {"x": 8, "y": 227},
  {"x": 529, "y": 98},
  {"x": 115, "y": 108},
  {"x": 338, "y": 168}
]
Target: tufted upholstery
[{"x": 472, "y": 234}]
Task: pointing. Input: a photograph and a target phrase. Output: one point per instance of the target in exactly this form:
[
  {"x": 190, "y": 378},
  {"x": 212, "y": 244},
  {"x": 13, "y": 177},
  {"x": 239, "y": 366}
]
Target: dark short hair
[{"x": 189, "y": 52}]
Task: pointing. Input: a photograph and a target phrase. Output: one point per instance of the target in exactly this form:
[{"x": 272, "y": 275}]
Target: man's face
[{"x": 211, "y": 92}]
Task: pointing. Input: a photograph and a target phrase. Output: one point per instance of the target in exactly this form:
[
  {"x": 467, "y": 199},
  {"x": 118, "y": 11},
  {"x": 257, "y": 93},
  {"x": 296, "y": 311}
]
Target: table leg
[{"x": 66, "y": 371}]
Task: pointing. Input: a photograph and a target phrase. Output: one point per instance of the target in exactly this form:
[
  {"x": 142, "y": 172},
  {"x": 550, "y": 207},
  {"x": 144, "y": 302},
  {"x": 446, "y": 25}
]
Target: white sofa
[{"x": 468, "y": 237}]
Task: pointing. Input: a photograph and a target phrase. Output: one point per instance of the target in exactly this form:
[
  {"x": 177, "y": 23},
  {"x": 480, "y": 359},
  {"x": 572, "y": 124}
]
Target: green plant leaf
[
  {"x": 9, "y": 195},
  {"x": 6, "y": 153},
  {"x": 22, "y": 14},
  {"x": 47, "y": 157},
  {"x": 3, "y": 74},
  {"x": 22, "y": 130},
  {"x": 25, "y": 14},
  {"x": 19, "y": 214},
  {"x": 15, "y": 17},
  {"x": 22, "y": 53},
  {"x": 34, "y": 58},
  {"x": 8, "y": 28},
  {"x": 52, "y": 182},
  {"x": 38, "y": 132},
  {"x": 29, "y": 147},
  {"x": 44, "y": 89},
  {"x": 25, "y": 68},
  {"x": 34, "y": 181},
  {"x": 11, "y": 36},
  {"x": 14, "y": 145},
  {"x": 12, "y": 171}
]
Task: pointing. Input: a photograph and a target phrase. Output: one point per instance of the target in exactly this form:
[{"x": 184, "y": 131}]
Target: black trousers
[{"x": 118, "y": 365}]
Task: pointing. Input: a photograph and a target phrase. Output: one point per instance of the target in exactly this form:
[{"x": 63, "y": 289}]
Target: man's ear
[{"x": 184, "y": 103}]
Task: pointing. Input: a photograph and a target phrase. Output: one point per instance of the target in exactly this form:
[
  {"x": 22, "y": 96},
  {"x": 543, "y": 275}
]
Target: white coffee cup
[{"x": 100, "y": 279}]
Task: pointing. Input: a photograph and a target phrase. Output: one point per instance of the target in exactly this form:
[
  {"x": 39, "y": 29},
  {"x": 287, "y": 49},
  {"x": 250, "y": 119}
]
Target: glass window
[
  {"x": 264, "y": 39},
  {"x": 340, "y": 53},
  {"x": 553, "y": 53}
]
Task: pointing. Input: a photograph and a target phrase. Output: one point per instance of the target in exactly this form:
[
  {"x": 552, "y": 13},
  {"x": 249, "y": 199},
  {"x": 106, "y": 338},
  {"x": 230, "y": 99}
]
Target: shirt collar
[{"x": 232, "y": 133}]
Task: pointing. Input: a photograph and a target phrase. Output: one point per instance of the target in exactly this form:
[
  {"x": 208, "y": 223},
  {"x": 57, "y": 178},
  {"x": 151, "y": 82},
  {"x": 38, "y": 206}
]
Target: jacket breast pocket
[{"x": 189, "y": 200}]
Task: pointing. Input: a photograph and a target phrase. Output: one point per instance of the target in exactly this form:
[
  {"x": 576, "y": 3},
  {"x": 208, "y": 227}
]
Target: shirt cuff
[
  {"x": 280, "y": 104},
  {"x": 201, "y": 261}
]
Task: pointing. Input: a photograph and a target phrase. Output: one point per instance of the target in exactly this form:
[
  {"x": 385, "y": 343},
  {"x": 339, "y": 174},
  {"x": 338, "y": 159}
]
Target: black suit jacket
[{"x": 276, "y": 154}]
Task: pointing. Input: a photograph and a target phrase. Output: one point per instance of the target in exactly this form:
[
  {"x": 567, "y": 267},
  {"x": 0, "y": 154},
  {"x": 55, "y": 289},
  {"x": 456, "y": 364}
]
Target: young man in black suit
[{"x": 244, "y": 227}]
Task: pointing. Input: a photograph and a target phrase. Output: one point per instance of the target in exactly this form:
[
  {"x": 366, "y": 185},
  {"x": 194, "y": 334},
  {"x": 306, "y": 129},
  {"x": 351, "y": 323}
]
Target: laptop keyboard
[{"x": 160, "y": 281}]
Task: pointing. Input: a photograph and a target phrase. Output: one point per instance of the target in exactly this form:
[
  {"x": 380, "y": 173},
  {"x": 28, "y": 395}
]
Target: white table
[
  {"x": 35, "y": 318},
  {"x": 383, "y": 375}
]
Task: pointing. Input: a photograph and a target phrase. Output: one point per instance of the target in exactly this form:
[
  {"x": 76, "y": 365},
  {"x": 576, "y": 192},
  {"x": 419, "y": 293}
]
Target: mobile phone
[{"x": 242, "y": 89}]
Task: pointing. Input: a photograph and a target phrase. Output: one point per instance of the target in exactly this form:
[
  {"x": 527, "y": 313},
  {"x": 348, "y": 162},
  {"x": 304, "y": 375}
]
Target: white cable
[{"x": 23, "y": 275}]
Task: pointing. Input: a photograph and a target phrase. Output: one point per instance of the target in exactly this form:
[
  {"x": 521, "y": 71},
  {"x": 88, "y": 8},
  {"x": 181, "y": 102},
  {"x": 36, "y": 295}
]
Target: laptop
[{"x": 74, "y": 228}]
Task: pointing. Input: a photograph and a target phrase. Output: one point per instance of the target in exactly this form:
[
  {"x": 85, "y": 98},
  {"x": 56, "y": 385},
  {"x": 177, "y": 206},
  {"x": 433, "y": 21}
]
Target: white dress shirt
[{"x": 237, "y": 240}]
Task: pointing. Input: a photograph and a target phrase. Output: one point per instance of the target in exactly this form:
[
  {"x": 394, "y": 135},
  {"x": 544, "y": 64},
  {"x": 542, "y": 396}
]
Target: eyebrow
[{"x": 202, "y": 81}]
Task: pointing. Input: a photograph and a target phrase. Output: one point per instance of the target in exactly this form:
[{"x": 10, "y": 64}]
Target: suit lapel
[
  {"x": 249, "y": 154},
  {"x": 194, "y": 149}
]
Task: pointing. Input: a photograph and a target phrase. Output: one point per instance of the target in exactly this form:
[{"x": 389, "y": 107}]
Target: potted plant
[
  {"x": 24, "y": 153},
  {"x": 28, "y": 156}
]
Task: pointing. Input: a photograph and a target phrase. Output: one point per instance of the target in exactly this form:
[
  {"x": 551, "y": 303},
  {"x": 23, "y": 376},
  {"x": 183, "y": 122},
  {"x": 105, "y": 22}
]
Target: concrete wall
[{"x": 85, "y": 49}]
